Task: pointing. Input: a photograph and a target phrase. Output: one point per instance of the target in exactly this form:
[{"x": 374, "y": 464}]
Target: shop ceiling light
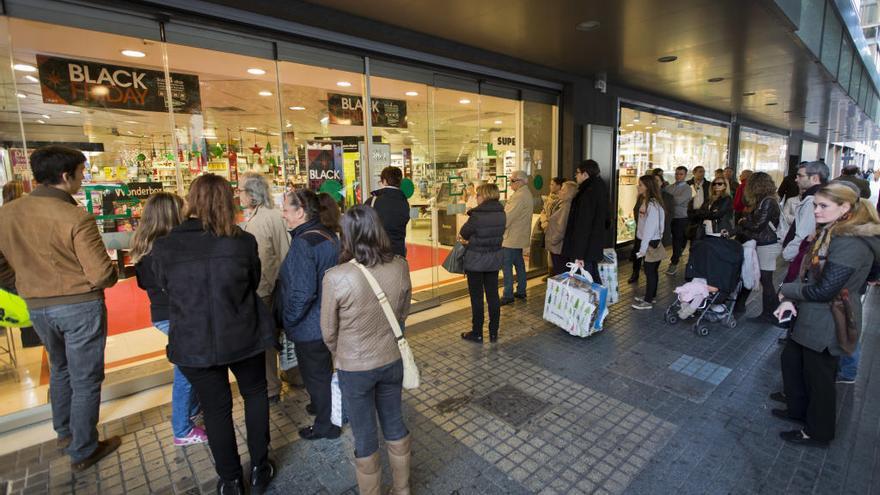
[
  {"x": 45, "y": 116},
  {"x": 297, "y": 107},
  {"x": 41, "y": 121},
  {"x": 31, "y": 78},
  {"x": 464, "y": 101},
  {"x": 24, "y": 68},
  {"x": 667, "y": 58},
  {"x": 21, "y": 95},
  {"x": 265, "y": 93},
  {"x": 749, "y": 93},
  {"x": 133, "y": 53},
  {"x": 587, "y": 26},
  {"x": 72, "y": 112},
  {"x": 250, "y": 128},
  {"x": 256, "y": 72},
  {"x": 498, "y": 122},
  {"x": 131, "y": 121},
  {"x": 715, "y": 79},
  {"x": 412, "y": 93},
  {"x": 343, "y": 84}
]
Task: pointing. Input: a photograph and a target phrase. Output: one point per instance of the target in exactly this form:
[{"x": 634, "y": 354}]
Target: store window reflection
[
  {"x": 763, "y": 152},
  {"x": 648, "y": 140},
  {"x": 13, "y": 81}
]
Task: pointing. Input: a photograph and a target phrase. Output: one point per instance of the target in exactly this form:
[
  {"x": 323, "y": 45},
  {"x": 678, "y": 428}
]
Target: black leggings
[
  {"x": 769, "y": 299},
  {"x": 651, "y": 274},
  {"x": 478, "y": 284}
]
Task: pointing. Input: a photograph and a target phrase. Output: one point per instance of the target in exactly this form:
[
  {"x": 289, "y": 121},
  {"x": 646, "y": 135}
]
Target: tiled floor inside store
[{"x": 642, "y": 407}]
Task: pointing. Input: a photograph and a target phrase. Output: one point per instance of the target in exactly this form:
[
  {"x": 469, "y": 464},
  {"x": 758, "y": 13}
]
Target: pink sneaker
[{"x": 196, "y": 435}]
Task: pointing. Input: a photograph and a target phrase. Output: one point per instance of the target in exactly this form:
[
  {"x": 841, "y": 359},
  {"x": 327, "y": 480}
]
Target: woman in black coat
[
  {"x": 482, "y": 234},
  {"x": 588, "y": 221},
  {"x": 717, "y": 214},
  {"x": 210, "y": 270}
]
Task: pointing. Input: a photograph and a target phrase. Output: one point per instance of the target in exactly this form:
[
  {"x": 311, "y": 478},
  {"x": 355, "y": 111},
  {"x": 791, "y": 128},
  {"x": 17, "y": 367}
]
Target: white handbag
[{"x": 410, "y": 370}]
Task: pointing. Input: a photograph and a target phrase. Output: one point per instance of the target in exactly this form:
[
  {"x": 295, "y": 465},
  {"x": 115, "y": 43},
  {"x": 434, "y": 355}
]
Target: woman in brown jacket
[
  {"x": 554, "y": 232},
  {"x": 364, "y": 348}
]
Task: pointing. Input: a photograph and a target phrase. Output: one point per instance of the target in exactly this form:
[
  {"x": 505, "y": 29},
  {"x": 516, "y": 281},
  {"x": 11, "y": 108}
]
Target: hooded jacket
[
  {"x": 393, "y": 209},
  {"x": 853, "y": 256}
]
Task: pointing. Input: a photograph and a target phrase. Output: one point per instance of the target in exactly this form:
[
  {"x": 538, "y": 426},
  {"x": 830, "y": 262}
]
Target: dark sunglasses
[{"x": 718, "y": 184}]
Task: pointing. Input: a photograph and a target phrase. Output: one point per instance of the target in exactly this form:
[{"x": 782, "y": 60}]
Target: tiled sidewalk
[{"x": 639, "y": 408}]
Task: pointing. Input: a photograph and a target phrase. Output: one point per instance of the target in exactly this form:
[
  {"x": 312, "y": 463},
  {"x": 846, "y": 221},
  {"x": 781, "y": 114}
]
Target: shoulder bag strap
[
  {"x": 383, "y": 299},
  {"x": 319, "y": 232}
]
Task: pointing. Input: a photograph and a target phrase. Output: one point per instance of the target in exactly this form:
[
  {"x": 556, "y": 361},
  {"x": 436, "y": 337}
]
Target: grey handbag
[{"x": 454, "y": 262}]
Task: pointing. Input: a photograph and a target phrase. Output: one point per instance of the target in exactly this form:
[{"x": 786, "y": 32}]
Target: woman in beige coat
[{"x": 554, "y": 233}]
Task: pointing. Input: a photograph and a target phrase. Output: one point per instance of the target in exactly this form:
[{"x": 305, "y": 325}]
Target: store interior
[{"x": 234, "y": 113}]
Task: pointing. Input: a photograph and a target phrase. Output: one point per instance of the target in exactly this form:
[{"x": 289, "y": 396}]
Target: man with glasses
[
  {"x": 811, "y": 176},
  {"x": 586, "y": 232},
  {"x": 517, "y": 236}
]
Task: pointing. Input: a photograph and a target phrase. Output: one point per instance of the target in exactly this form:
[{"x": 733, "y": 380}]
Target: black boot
[
  {"x": 493, "y": 336},
  {"x": 235, "y": 487},
  {"x": 261, "y": 476},
  {"x": 473, "y": 337}
]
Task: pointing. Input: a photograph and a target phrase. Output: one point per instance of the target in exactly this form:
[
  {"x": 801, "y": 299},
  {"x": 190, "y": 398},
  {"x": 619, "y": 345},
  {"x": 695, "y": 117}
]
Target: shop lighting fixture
[
  {"x": 31, "y": 78},
  {"x": 715, "y": 79},
  {"x": 648, "y": 127},
  {"x": 100, "y": 91},
  {"x": 131, "y": 121},
  {"x": 667, "y": 58},
  {"x": 629, "y": 125},
  {"x": 636, "y": 120},
  {"x": 41, "y": 121},
  {"x": 464, "y": 101},
  {"x": 265, "y": 93},
  {"x": 288, "y": 125},
  {"x": 588, "y": 26},
  {"x": 772, "y": 103},
  {"x": 24, "y": 68},
  {"x": 250, "y": 128},
  {"x": 256, "y": 72},
  {"x": 404, "y": 131},
  {"x": 45, "y": 116},
  {"x": 133, "y": 53},
  {"x": 412, "y": 93},
  {"x": 21, "y": 95},
  {"x": 749, "y": 93},
  {"x": 297, "y": 107},
  {"x": 71, "y": 112},
  {"x": 129, "y": 132},
  {"x": 498, "y": 122},
  {"x": 343, "y": 84}
]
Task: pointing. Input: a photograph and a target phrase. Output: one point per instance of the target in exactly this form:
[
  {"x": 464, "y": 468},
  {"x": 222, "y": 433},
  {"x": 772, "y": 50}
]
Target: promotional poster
[{"x": 324, "y": 161}]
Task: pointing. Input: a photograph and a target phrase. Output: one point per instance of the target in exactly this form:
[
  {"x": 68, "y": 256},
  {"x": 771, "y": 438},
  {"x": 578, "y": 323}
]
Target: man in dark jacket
[
  {"x": 850, "y": 173},
  {"x": 587, "y": 227},
  {"x": 393, "y": 208}
]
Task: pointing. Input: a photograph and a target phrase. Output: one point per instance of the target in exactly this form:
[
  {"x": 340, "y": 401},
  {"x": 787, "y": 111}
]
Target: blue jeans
[
  {"x": 184, "y": 403},
  {"x": 848, "y": 367},
  {"x": 513, "y": 258},
  {"x": 366, "y": 393},
  {"x": 74, "y": 336}
]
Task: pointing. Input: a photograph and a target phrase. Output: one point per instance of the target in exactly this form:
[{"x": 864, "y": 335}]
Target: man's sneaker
[
  {"x": 105, "y": 448},
  {"x": 643, "y": 305},
  {"x": 672, "y": 269},
  {"x": 195, "y": 435},
  {"x": 845, "y": 381}
]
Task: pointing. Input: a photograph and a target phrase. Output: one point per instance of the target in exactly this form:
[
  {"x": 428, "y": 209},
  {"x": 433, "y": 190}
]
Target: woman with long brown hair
[
  {"x": 162, "y": 212},
  {"x": 842, "y": 258},
  {"x": 717, "y": 214},
  {"x": 760, "y": 225},
  {"x": 210, "y": 270},
  {"x": 649, "y": 230}
]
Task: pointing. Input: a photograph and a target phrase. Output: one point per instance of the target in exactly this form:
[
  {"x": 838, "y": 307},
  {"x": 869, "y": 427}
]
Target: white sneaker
[
  {"x": 639, "y": 299},
  {"x": 643, "y": 305}
]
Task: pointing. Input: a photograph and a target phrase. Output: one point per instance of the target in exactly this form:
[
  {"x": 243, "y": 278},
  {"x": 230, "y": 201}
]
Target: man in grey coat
[
  {"x": 517, "y": 236},
  {"x": 681, "y": 194}
]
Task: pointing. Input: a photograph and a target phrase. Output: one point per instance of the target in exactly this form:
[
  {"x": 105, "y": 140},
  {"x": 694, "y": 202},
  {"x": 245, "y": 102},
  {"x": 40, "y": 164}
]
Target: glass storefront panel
[
  {"x": 648, "y": 140},
  {"x": 539, "y": 160},
  {"x": 763, "y": 152},
  {"x": 16, "y": 78}
]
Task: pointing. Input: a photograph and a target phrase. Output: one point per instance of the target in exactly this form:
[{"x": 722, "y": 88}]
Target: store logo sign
[{"x": 91, "y": 84}]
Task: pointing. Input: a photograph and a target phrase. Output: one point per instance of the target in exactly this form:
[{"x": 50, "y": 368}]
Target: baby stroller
[{"x": 719, "y": 261}]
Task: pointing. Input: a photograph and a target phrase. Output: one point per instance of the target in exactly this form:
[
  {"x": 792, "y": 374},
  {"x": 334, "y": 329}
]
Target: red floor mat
[{"x": 420, "y": 257}]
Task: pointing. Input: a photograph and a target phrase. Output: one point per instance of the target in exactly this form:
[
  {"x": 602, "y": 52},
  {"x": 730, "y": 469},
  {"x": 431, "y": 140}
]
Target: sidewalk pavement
[{"x": 641, "y": 407}]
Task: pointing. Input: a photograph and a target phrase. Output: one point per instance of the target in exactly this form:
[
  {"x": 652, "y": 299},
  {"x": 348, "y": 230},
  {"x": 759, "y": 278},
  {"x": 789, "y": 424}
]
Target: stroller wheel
[
  {"x": 670, "y": 316},
  {"x": 731, "y": 323},
  {"x": 701, "y": 331}
]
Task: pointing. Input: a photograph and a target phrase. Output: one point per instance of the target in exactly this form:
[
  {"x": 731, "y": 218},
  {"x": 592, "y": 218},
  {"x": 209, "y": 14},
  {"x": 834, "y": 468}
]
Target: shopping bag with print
[
  {"x": 608, "y": 273},
  {"x": 575, "y": 303},
  {"x": 287, "y": 354},
  {"x": 337, "y": 412}
]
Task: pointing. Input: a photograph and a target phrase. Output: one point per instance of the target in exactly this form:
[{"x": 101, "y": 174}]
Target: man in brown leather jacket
[{"x": 52, "y": 249}]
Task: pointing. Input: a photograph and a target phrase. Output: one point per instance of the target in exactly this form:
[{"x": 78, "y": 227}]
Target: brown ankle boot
[
  {"x": 399, "y": 458},
  {"x": 369, "y": 474}
]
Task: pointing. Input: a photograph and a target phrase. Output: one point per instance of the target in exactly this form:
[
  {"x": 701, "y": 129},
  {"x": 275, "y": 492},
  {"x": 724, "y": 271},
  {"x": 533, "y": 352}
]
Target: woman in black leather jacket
[
  {"x": 760, "y": 225},
  {"x": 717, "y": 214}
]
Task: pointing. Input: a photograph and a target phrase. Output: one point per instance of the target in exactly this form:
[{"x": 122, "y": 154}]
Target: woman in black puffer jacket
[
  {"x": 760, "y": 225},
  {"x": 482, "y": 234}
]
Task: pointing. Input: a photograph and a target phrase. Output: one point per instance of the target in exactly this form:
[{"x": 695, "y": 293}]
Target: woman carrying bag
[
  {"x": 483, "y": 234},
  {"x": 717, "y": 214},
  {"x": 760, "y": 225},
  {"x": 362, "y": 339},
  {"x": 649, "y": 230},
  {"x": 841, "y": 260}
]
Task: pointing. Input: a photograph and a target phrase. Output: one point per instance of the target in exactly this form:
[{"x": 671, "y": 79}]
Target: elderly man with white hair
[{"x": 517, "y": 235}]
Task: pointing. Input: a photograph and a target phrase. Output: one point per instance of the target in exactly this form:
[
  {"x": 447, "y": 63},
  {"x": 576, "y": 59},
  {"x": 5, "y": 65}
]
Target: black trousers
[
  {"x": 558, "y": 262},
  {"x": 480, "y": 283},
  {"x": 212, "y": 387},
  {"x": 651, "y": 270},
  {"x": 679, "y": 238},
  {"x": 636, "y": 261},
  {"x": 808, "y": 381},
  {"x": 316, "y": 367},
  {"x": 769, "y": 298}
]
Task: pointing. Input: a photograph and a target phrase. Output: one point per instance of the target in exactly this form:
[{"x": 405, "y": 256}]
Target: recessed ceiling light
[
  {"x": 100, "y": 90},
  {"x": 648, "y": 127},
  {"x": 288, "y": 125},
  {"x": 134, "y": 53},
  {"x": 404, "y": 131},
  {"x": 772, "y": 103},
  {"x": 464, "y": 101},
  {"x": 297, "y": 107},
  {"x": 482, "y": 130},
  {"x": 71, "y": 112},
  {"x": 131, "y": 121},
  {"x": 812, "y": 122},
  {"x": 667, "y": 58},
  {"x": 343, "y": 84},
  {"x": 715, "y": 79},
  {"x": 265, "y": 93},
  {"x": 24, "y": 68},
  {"x": 749, "y": 93},
  {"x": 21, "y": 95},
  {"x": 412, "y": 93},
  {"x": 250, "y": 128},
  {"x": 31, "y": 78},
  {"x": 45, "y": 116},
  {"x": 629, "y": 125},
  {"x": 129, "y": 132},
  {"x": 498, "y": 122},
  {"x": 41, "y": 121},
  {"x": 588, "y": 26},
  {"x": 256, "y": 72},
  {"x": 636, "y": 120}
]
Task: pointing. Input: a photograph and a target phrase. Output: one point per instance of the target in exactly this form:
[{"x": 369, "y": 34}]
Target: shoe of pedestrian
[
  {"x": 672, "y": 269},
  {"x": 195, "y": 435},
  {"x": 234, "y": 487},
  {"x": 369, "y": 474},
  {"x": 798, "y": 437},
  {"x": 310, "y": 409},
  {"x": 845, "y": 381},
  {"x": 779, "y": 397},
  {"x": 633, "y": 280},
  {"x": 261, "y": 476},
  {"x": 643, "y": 305},
  {"x": 473, "y": 337},
  {"x": 519, "y": 296},
  {"x": 63, "y": 442},
  {"x": 309, "y": 433},
  {"x": 493, "y": 338},
  {"x": 505, "y": 301},
  {"x": 275, "y": 399},
  {"x": 105, "y": 447},
  {"x": 783, "y": 414},
  {"x": 399, "y": 459},
  {"x": 293, "y": 377},
  {"x": 638, "y": 299}
]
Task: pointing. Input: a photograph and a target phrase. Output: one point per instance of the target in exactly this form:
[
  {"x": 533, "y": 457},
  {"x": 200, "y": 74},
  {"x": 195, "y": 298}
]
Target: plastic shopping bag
[
  {"x": 337, "y": 412},
  {"x": 13, "y": 311},
  {"x": 608, "y": 273},
  {"x": 287, "y": 354},
  {"x": 575, "y": 303}
]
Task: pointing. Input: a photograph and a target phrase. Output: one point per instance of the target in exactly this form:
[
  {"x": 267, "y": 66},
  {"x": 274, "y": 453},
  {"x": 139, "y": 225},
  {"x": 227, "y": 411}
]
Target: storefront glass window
[
  {"x": 13, "y": 163},
  {"x": 648, "y": 140},
  {"x": 763, "y": 152}
]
